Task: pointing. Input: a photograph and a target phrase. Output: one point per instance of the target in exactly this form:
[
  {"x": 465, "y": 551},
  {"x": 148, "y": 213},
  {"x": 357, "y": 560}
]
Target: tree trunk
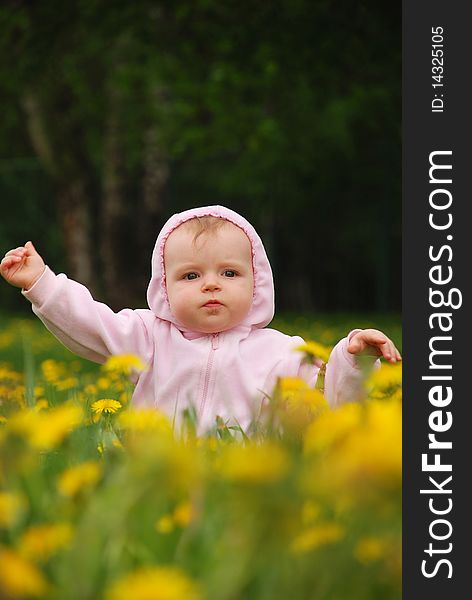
[
  {"x": 75, "y": 221},
  {"x": 114, "y": 232},
  {"x": 154, "y": 184},
  {"x": 72, "y": 200}
]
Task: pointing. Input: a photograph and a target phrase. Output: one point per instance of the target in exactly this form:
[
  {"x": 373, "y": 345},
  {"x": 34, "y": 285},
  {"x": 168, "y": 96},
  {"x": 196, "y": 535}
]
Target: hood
[{"x": 262, "y": 310}]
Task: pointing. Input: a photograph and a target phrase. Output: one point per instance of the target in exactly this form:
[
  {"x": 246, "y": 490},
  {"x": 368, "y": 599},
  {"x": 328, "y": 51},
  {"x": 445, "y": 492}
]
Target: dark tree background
[{"x": 117, "y": 114}]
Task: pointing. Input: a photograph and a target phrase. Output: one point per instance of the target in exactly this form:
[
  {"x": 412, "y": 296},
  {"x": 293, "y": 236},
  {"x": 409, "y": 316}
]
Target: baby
[{"x": 204, "y": 336}]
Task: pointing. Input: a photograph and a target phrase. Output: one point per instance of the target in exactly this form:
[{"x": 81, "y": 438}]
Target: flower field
[{"x": 98, "y": 500}]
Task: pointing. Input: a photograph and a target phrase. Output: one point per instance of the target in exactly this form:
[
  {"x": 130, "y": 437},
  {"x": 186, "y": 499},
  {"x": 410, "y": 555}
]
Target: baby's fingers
[
  {"x": 390, "y": 352},
  {"x": 20, "y": 251},
  {"x": 9, "y": 261}
]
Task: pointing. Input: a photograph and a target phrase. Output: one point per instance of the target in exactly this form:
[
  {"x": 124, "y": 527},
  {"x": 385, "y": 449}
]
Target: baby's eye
[
  {"x": 190, "y": 276},
  {"x": 230, "y": 273}
]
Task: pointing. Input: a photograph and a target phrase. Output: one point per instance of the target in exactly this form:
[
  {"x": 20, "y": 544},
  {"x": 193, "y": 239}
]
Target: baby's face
[{"x": 209, "y": 283}]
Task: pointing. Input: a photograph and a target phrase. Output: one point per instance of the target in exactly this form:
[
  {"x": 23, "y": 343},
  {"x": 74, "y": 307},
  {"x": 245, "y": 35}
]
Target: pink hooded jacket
[{"x": 229, "y": 374}]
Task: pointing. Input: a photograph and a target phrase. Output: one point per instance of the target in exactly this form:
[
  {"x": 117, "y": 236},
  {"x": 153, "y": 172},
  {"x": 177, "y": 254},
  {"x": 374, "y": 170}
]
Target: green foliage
[
  {"x": 289, "y": 112},
  {"x": 312, "y": 510}
]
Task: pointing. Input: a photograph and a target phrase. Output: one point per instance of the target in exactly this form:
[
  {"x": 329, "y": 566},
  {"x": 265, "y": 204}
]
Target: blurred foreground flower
[
  {"x": 154, "y": 583},
  {"x": 314, "y": 537},
  {"x": 297, "y": 404},
  {"x": 361, "y": 448},
  {"x": 80, "y": 477},
  {"x": 124, "y": 364},
  {"x": 47, "y": 428},
  {"x": 11, "y": 505},
  {"x": 19, "y": 577},
  {"x": 146, "y": 419},
  {"x": 39, "y": 542},
  {"x": 315, "y": 350},
  {"x": 266, "y": 463}
]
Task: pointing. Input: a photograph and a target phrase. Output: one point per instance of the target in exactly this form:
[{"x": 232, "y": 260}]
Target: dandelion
[
  {"x": 253, "y": 464},
  {"x": 47, "y": 428},
  {"x": 154, "y": 583},
  {"x": 298, "y": 404},
  {"x": 80, "y": 477},
  {"x": 106, "y": 405},
  {"x": 165, "y": 524},
  {"x": 66, "y": 384},
  {"x": 42, "y": 403},
  {"x": 310, "y": 511},
  {"x": 183, "y": 514},
  {"x": 19, "y": 577},
  {"x": 315, "y": 350},
  {"x": 314, "y": 537},
  {"x": 385, "y": 379},
  {"x": 369, "y": 549},
  {"x": 332, "y": 426},
  {"x": 146, "y": 419},
  {"x": 124, "y": 363},
  {"x": 39, "y": 542},
  {"x": 11, "y": 505},
  {"x": 362, "y": 453},
  {"x": 52, "y": 370},
  {"x": 103, "y": 383}
]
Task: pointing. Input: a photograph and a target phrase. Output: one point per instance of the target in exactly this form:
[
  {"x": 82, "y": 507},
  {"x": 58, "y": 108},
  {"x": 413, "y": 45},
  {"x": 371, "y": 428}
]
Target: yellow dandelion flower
[
  {"x": 165, "y": 524},
  {"x": 386, "y": 377},
  {"x": 39, "y": 542},
  {"x": 124, "y": 363},
  {"x": 103, "y": 383},
  {"x": 146, "y": 419},
  {"x": 154, "y": 583},
  {"x": 11, "y": 505},
  {"x": 6, "y": 339},
  {"x": 80, "y": 477},
  {"x": 47, "y": 428},
  {"x": 375, "y": 448},
  {"x": 369, "y": 549},
  {"x": 19, "y": 577},
  {"x": 42, "y": 403},
  {"x": 52, "y": 370},
  {"x": 38, "y": 391},
  {"x": 106, "y": 405},
  {"x": 91, "y": 389},
  {"x": 290, "y": 386},
  {"x": 363, "y": 458},
  {"x": 310, "y": 512},
  {"x": 66, "y": 384},
  {"x": 331, "y": 426},
  {"x": 298, "y": 403},
  {"x": 314, "y": 537},
  {"x": 315, "y": 350},
  {"x": 9, "y": 375},
  {"x": 183, "y": 514},
  {"x": 253, "y": 464}
]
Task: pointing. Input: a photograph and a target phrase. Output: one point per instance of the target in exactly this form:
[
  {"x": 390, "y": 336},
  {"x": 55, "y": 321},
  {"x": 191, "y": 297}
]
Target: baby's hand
[
  {"x": 372, "y": 342},
  {"x": 22, "y": 266}
]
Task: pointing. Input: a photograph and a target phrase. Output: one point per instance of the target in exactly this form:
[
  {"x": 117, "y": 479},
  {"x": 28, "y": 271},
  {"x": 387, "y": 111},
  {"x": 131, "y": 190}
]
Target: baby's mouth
[{"x": 212, "y": 303}]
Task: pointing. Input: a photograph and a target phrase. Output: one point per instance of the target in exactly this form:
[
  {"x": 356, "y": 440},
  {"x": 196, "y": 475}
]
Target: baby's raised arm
[
  {"x": 89, "y": 328},
  {"x": 22, "y": 266}
]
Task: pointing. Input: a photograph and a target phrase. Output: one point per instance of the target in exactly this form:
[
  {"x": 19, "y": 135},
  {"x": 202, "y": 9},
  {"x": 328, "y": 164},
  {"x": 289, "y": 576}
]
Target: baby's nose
[{"x": 210, "y": 285}]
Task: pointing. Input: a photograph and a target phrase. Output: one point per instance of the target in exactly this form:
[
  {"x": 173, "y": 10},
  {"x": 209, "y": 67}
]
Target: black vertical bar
[{"x": 436, "y": 118}]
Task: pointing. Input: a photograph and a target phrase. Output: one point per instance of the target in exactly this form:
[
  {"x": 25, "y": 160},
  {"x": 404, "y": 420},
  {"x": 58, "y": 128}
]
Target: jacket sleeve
[
  {"x": 88, "y": 328},
  {"x": 345, "y": 374}
]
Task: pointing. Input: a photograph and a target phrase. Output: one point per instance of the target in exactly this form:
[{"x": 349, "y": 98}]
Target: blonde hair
[{"x": 207, "y": 224}]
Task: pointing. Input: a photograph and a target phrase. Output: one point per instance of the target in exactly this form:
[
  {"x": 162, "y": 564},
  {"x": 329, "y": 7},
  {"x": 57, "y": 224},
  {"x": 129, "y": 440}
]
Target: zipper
[{"x": 206, "y": 382}]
